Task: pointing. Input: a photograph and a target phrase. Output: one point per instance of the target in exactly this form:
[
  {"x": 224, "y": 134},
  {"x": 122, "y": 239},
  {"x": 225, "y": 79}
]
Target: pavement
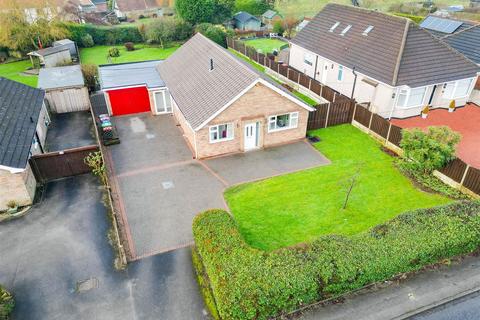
[
  {"x": 159, "y": 187},
  {"x": 59, "y": 265},
  {"x": 407, "y": 298},
  {"x": 70, "y": 130},
  {"x": 465, "y": 308},
  {"x": 464, "y": 120}
]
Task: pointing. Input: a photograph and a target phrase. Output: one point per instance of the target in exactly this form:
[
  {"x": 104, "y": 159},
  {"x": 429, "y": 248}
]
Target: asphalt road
[{"x": 466, "y": 308}]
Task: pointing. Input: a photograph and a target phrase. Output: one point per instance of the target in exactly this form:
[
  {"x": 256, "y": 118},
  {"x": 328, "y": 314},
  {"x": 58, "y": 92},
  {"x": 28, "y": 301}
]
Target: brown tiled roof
[
  {"x": 137, "y": 5},
  {"x": 396, "y": 51}
]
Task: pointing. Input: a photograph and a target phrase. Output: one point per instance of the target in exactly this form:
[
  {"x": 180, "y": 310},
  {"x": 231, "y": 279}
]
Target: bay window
[
  {"x": 411, "y": 97},
  {"x": 283, "y": 121},
  {"x": 457, "y": 89},
  {"x": 221, "y": 132}
]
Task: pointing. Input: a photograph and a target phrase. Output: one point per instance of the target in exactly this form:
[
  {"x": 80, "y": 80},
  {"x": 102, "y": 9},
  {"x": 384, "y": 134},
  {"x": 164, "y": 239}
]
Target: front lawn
[
  {"x": 98, "y": 54},
  {"x": 265, "y": 45},
  {"x": 299, "y": 207},
  {"x": 13, "y": 70}
]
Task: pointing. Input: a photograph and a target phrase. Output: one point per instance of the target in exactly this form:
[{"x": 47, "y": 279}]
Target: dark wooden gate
[{"x": 60, "y": 164}]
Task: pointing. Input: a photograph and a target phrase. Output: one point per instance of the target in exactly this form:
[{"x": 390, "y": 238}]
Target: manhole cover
[
  {"x": 87, "y": 285},
  {"x": 167, "y": 185}
]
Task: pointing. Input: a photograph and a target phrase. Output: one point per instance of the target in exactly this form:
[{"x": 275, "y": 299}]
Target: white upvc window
[
  {"x": 221, "y": 132},
  {"x": 340, "y": 73},
  {"x": 308, "y": 59},
  {"x": 408, "y": 98},
  {"x": 457, "y": 89},
  {"x": 283, "y": 121},
  {"x": 163, "y": 101}
]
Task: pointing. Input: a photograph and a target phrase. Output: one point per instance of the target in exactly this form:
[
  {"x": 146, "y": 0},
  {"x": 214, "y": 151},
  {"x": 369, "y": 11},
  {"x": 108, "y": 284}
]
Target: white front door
[
  {"x": 324, "y": 72},
  {"x": 251, "y": 136}
]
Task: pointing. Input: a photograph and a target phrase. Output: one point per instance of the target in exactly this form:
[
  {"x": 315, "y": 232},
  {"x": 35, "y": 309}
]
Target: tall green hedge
[
  {"x": 247, "y": 283},
  {"x": 104, "y": 35}
]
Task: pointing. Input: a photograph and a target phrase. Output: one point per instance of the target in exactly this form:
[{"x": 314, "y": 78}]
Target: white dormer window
[
  {"x": 366, "y": 31},
  {"x": 344, "y": 31},
  {"x": 334, "y": 26}
]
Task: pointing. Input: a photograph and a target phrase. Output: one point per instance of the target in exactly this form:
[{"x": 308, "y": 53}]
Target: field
[
  {"x": 299, "y": 207},
  {"x": 13, "y": 71},
  {"x": 99, "y": 54}
]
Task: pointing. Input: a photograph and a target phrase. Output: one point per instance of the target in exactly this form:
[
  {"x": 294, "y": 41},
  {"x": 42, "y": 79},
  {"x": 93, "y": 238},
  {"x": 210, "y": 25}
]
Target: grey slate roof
[
  {"x": 466, "y": 42},
  {"x": 243, "y": 16},
  {"x": 269, "y": 14},
  {"x": 130, "y": 74},
  {"x": 396, "y": 51},
  {"x": 20, "y": 107},
  {"x": 50, "y": 50},
  {"x": 200, "y": 93},
  {"x": 60, "y": 77}
]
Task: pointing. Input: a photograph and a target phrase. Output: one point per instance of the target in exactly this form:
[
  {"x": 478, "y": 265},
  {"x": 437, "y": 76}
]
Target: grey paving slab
[
  {"x": 63, "y": 240},
  {"x": 265, "y": 163},
  {"x": 70, "y": 130},
  {"x": 147, "y": 140}
]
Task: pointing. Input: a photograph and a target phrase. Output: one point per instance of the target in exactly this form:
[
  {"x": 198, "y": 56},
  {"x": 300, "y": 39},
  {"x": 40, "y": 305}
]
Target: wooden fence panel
[
  {"x": 293, "y": 75},
  {"x": 380, "y": 125},
  {"x": 455, "y": 170},
  {"x": 304, "y": 80},
  {"x": 56, "y": 165},
  {"x": 283, "y": 70},
  {"x": 362, "y": 115},
  {"x": 315, "y": 87},
  {"x": 317, "y": 118},
  {"x": 328, "y": 93},
  {"x": 395, "y": 135},
  {"x": 274, "y": 66},
  {"x": 472, "y": 180},
  {"x": 340, "y": 112},
  {"x": 261, "y": 59}
]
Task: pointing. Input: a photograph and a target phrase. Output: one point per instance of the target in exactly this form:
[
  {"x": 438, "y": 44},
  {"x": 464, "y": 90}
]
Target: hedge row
[
  {"x": 247, "y": 283},
  {"x": 105, "y": 35},
  {"x": 6, "y": 303}
]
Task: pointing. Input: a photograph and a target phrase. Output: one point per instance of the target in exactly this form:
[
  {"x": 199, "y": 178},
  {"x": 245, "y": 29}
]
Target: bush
[
  {"x": 278, "y": 27},
  {"x": 90, "y": 73},
  {"x": 414, "y": 18},
  {"x": 247, "y": 283},
  {"x": 130, "y": 46},
  {"x": 87, "y": 41},
  {"x": 215, "y": 33},
  {"x": 198, "y": 11},
  {"x": 105, "y": 35},
  {"x": 113, "y": 52},
  {"x": 7, "y": 303},
  {"x": 254, "y": 7},
  {"x": 426, "y": 151}
]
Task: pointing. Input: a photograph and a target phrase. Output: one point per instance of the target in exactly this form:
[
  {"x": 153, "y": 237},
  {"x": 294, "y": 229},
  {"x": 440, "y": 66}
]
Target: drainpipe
[
  {"x": 354, "y": 82},
  {"x": 394, "y": 103},
  {"x": 315, "y": 70},
  {"x": 431, "y": 96}
]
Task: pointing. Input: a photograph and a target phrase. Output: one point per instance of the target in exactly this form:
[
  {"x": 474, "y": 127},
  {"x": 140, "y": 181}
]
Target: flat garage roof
[
  {"x": 60, "y": 77},
  {"x": 130, "y": 74}
]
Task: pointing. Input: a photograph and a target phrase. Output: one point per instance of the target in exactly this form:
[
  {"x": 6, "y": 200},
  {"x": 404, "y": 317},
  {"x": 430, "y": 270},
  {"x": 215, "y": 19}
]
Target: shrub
[
  {"x": 255, "y": 7},
  {"x": 247, "y": 283},
  {"x": 105, "y": 35},
  {"x": 113, "y": 52},
  {"x": 426, "y": 151},
  {"x": 130, "y": 46},
  {"x": 7, "y": 303},
  {"x": 215, "y": 33},
  {"x": 414, "y": 18},
  {"x": 167, "y": 29},
  {"x": 90, "y": 73},
  {"x": 278, "y": 27},
  {"x": 87, "y": 41}
]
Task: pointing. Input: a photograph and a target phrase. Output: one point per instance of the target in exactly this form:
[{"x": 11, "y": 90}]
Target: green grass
[
  {"x": 265, "y": 45},
  {"x": 98, "y": 54},
  {"x": 305, "y": 98},
  {"x": 12, "y": 71},
  {"x": 299, "y": 207},
  {"x": 257, "y": 66}
]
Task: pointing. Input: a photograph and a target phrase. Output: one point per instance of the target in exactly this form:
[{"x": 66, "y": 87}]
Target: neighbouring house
[
  {"x": 50, "y": 57},
  {"x": 65, "y": 89},
  {"x": 23, "y": 129},
  {"x": 92, "y": 6},
  {"x": 269, "y": 17},
  {"x": 388, "y": 61},
  {"x": 245, "y": 21},
  {"x": 221, "y": 103},
  {"x": 135, "y": 8}
]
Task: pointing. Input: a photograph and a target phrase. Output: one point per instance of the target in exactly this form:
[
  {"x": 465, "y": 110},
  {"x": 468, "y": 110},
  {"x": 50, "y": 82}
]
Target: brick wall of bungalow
[{"x": 257, "y": 104}]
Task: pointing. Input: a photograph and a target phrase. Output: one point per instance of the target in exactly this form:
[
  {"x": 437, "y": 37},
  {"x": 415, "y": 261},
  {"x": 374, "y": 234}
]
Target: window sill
[
  {"x": 221, "y": 140},
  {"x": 281, "y": 129}
]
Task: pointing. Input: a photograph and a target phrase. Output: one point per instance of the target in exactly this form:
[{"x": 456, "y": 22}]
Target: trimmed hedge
[
  {"x": 104, "y": 35},
  {"x": 247, "y": 283}
]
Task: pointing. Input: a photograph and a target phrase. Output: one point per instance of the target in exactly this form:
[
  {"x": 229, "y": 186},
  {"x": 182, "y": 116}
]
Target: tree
[
  {"x": 216, "y": 33},
  {"x": 198, "y": 11},
  {"x": 255, "y": 7},
  {"x": 278, "y": 27},
  {"x": 426, "y": 151},
  {"x": 160, "y": 31},
  {"x": 289, "y": 24}
]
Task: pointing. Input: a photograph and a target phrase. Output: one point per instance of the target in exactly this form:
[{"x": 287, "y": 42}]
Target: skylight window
[
  {"x": 366, "y": 31},
  {"x": 344, "y": 31},
  {"x": 334, "y": 26}
]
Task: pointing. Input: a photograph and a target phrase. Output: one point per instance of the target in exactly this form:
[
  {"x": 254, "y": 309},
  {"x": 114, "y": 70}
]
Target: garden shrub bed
[
  {"x": 7, "y": 303},
  {"x": 248, "y": 283}
]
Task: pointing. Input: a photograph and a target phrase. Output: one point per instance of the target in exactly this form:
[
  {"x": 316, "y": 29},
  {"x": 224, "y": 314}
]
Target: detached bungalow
[
  {"x": 222, "y": 104},
  {"x": 23, "y": 129},
  {"x": 386, "y": 60}
]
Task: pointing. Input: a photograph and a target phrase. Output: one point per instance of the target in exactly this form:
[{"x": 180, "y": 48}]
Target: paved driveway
[
  {"x": 63, "y": 240},
  {"x": 160, "y": 187},
  {"x": 70, "y": 130}
]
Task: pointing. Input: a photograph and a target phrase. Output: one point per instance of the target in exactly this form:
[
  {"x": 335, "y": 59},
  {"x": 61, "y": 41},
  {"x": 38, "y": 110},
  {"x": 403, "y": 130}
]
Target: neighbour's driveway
[
  {"x": 63, "y": 240},
  {"x": 161, "y": 187}
]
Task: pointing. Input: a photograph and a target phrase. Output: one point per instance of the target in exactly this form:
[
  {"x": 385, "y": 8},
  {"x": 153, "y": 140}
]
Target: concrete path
[
  {"x": 402, "y": 300},
  {"x": 62, "y": 242}
]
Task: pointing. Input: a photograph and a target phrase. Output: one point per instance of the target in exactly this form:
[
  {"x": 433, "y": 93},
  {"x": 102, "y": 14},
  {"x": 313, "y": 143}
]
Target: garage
[
  {"x": 131, "y": 88},
  {"x": 128, "y": 101}
]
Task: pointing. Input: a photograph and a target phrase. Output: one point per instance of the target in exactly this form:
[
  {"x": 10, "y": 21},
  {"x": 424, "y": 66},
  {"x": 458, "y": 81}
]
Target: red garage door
[{"x": 129, "y": 100}]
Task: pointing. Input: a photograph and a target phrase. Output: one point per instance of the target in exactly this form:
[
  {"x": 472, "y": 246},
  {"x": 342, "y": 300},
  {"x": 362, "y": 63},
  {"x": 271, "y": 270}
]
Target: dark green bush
[
  {"x": 113, "y": 52},
  {"x": 87, "y": 41},
  {"x": 105, "y": 35},
  {"x": 247, "y": 283},
  {"x": 216, "y": 33},
  {"x": 7, "y": 303}
]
